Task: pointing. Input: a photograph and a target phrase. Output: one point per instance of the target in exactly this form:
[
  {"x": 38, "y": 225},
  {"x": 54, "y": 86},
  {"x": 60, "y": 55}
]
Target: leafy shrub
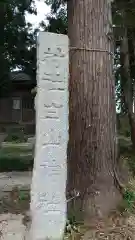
[
  {"x": 24, "y": 195},
  {"x": 8, "y": 164},
  {"x": 16, "y": 136},
  {"x": 128, "y": 202},
  {"x": 127, "y": 133}
]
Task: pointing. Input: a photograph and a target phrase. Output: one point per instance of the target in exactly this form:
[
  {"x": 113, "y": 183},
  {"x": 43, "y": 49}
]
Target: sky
[{"x": 42, "y": 11}]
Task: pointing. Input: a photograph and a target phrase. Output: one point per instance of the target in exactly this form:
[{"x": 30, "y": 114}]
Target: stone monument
[{"x": 48, "y": 191}]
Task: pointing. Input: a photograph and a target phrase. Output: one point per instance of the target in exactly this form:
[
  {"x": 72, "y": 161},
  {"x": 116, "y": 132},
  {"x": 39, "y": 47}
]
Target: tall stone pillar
[{"x": 48, "y": 191}]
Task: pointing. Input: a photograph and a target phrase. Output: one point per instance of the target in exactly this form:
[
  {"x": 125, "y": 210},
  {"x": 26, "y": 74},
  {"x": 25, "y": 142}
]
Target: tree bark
[{"x": 92, "y": 151}]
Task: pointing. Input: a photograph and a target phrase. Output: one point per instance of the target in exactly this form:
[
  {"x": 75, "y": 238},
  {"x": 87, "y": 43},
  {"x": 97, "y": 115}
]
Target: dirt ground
[
  {"x": 14, "y": 205},
  {"x": 14, "y": 209}
]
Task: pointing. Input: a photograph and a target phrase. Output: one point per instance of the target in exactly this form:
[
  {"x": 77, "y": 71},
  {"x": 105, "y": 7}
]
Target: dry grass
[{"x": 117, "y": 226}]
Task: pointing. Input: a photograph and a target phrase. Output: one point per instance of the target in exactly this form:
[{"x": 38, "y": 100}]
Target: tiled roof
[{"x": 20, "y": 76}]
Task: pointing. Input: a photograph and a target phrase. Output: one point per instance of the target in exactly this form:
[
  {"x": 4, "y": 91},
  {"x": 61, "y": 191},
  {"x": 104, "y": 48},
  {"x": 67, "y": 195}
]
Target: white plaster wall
[{"x": 48, "y": 197}]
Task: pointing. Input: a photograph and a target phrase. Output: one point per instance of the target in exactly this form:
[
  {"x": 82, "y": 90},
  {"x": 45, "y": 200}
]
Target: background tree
[
  {"x": 123, "y": 21},
  {"x": 17, "y": 44},
  {"x": 123, "y": 18}
]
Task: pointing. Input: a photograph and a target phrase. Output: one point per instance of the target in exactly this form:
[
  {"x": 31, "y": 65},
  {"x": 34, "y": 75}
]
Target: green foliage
[
  {"x": 123, "y": 16},
  {"x": 58, "y": 23},
  {"x": 8, "y": 164},
  {"x": 17, "y": 137},
  {"x": 71, "y": 218},
  {"x": 71, "y": 227},
  {"x": 17, "y": 44},
  {"x": 16, "y": 157},
  {"x": 24, "y": 196},
  {"x": 55, "y": 4},
  {"x": 58, "y": 17},
  {"x": 124, "y": 20},
  {"x": 128, "y": 202}
]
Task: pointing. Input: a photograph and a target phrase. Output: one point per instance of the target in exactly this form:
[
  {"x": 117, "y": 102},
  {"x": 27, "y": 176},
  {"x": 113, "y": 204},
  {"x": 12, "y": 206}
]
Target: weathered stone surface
[{"x": 48, "y": 204}]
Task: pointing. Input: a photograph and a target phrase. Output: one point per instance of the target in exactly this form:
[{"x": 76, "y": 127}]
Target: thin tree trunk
[
  {"x": 134, "y": 99},
  {"x": 127, "y": 84},
  {"x": 92, "y": 117},
  {"x": 133, "y": 53}
]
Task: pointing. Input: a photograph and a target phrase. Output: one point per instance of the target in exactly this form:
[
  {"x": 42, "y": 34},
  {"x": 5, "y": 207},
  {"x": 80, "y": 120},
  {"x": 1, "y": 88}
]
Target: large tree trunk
[
  {"x": 92, "y": 118},
  {"x": 127, "y": 84}
]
